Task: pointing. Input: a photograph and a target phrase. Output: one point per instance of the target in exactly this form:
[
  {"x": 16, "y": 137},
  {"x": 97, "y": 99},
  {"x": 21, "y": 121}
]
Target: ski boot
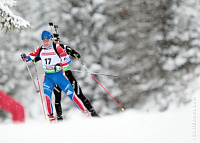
[
  {"x": 59, "y": 118},
  {"x": 93, "y": 113},
  {"x": 51, "y": 118},
  {"x": 87, "y": 104}
]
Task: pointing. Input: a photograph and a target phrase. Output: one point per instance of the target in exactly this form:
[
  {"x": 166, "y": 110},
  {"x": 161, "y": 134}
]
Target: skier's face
[{"x": 47, "y": 43}]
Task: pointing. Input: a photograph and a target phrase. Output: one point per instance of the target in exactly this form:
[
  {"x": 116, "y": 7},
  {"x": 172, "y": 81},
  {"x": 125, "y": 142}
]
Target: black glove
[
  {"x": 57, "y": 67},
  {"x": 23, "y": 56},
  {"x": 71, "y": 52},
  {"x": 37, "y": 59}
]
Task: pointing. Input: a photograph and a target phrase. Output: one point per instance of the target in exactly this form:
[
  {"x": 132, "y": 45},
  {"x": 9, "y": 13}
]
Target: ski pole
[
  {"x": 99, "y": 83},
  {"x": 32, "y": 78},
  {"x": 115, "y": 76},
  {"x": 40, "y": 90}
]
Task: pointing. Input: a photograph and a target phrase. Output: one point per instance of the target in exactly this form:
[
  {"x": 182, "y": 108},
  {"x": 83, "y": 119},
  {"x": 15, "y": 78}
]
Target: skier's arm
[
  {"x": 65, "y": 60},
  {"x": 31, "y": 56}
]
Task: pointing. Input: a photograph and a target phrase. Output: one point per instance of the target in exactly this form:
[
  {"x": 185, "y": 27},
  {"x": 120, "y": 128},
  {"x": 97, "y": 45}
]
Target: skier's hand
[
  {"x": 57, "y": 67},
  {"x": 23, "y": 57},
  {"x": 72, "y": 52},
  {"x": 37, "y": 59}
]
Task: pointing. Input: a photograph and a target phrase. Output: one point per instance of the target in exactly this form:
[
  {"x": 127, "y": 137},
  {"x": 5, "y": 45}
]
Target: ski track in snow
[{"x": 130, "y": 126}]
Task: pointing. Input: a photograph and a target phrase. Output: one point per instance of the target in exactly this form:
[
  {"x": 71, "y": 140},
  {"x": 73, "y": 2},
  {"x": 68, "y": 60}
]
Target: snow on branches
[{"x": 8, "y": 20}]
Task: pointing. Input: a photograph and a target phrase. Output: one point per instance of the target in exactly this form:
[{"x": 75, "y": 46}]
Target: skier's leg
[
  {"x": 65, "y": 85},
  {"x": 75, "y": 85},
  {"x": 57, "y": 92},
  {"x": 48, "y": 87},
  {"x": 79, "y": 93}
]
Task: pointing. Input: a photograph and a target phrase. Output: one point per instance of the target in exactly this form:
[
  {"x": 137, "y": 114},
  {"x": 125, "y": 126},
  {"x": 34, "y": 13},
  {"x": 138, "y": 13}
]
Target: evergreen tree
[
  {"x": 9, "y": 21},
  {"x": 150, "y": 44},
  {"x": 9, "y": 72}
]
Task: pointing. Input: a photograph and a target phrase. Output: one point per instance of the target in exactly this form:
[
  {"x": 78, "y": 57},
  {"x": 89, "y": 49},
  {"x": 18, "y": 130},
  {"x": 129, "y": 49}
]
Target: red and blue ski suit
[{"x": 54, "y": 76}]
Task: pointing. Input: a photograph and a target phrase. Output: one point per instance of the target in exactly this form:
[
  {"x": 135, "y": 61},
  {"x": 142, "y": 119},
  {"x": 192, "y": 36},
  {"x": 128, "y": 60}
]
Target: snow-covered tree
[
  {"x": 8, "y": 20},
  {"x": 10, "y": 76},
  {"x": 155, "y": 50},
  {"x": 132, "y": 26}
]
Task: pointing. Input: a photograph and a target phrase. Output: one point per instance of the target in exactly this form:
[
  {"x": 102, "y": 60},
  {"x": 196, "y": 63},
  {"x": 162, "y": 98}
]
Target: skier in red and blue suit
[{"x": 54, "y": 61}]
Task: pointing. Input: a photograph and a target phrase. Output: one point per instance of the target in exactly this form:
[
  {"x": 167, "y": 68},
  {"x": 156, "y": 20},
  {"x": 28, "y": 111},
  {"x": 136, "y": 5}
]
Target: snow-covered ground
[{"x": 173, "y": 126}]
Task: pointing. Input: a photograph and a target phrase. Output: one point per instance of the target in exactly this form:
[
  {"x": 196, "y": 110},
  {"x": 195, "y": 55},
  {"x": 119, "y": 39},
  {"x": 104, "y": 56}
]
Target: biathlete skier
[
  {"x": 57, "y": 90},
  {"x": 54, "y": 60}
]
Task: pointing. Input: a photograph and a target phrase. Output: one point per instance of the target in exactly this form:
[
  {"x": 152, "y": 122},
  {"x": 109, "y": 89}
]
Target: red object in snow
[{"x": 9, "y": 104}]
